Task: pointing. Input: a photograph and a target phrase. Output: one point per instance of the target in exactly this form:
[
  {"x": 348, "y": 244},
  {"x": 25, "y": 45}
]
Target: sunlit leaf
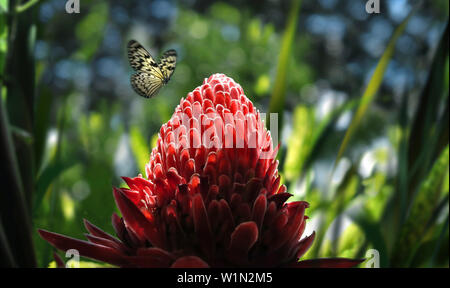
[
  {"x": 277, "y": 100},
  {"x": 333, "y": 208},
  {"x": 262, "y": 85},
  {"x": 140, "y": 148},
  {"x": 81, "y": 264},
  {"x": 26, "y": 5},
  {"x": 351, "y": 239},
  {"x": 307, "y": 137},
  {"x": 374, "y": 235},
  {"x": 67, "y": 206},
  {"x": 411, "y": 233},
  {"x": 3, "y": 6},
  {"x": 300, "y": 142},
  {"x": 3, "y": 39},
  {"x": 372, "y": 87}
]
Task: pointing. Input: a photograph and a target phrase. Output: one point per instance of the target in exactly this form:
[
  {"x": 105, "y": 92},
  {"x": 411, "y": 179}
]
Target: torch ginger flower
[{"x": 211, "y": 196}]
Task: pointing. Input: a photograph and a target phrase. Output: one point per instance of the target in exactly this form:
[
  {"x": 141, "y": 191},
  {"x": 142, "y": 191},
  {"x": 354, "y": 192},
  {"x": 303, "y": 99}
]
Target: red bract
[{"x": 212, "y": 196}]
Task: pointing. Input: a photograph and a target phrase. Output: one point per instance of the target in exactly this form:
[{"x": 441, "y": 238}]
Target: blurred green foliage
[{"x": 386, "y": 188}]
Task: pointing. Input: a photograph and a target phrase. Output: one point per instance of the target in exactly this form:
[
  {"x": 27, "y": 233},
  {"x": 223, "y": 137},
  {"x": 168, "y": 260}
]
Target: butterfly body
[{"x": 150, "y": 75}]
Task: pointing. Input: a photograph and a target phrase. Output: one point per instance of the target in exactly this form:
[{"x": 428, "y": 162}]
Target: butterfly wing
[
  {"x": 167, "y": 63},
  {"x": 141, "y": 61},
  {"x": 150, "y": 76},
  {"x": 145, "y": 84}
]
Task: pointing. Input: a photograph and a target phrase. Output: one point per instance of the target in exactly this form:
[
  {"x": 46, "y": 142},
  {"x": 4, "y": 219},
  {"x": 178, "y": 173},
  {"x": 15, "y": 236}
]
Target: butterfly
[{"x": 150, "y": 76}]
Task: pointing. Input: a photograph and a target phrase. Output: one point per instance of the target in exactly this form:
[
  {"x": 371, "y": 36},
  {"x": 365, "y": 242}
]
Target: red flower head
[{"x": 211, "y": 197}]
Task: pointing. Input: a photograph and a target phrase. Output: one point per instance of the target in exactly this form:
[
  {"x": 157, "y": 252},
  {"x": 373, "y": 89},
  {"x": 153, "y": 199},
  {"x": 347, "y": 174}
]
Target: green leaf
[
  {"x": 345, "y": 192},
  {"x": 429, "y": 134},
  {"x": 140, "y": 148},
  {"x": 3, "y": 6},
  {"x": 13, "y": 204},
  {"x": 41, "y": 123},
  {"x": 412, "y": 231},
  {"x": 301, "y": 141},
  {"x": 90, "y": 30},
  {"x": 307, "y": 137},
  {"x": 350, "y": 241},
  {"x": 58, "y": 164},
  {"x": 3, "y": 38},
  {"x": 323, "y": 129},
  {"x": 27, "y": 5},
  {"x": 372, "y": 87},
  {"x": 402, "y": 170},
  {"x": 48, "y": 175},
  {"x": 225, "y": 12},
  {"x": 439, "y": 241},
  {"x": 373, "y": 234},
  {"x": 24, "y": 135},
  {"x": 277, "y": 100},
  {"x": 82, "y": 264}
]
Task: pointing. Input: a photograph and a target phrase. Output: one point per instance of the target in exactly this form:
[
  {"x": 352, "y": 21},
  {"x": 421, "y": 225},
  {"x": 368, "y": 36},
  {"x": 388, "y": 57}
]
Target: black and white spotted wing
[
  {"x": 168, "y": 62},
  {"x": 146, "y": 84},
  {"x": 150, "y": 76}
]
